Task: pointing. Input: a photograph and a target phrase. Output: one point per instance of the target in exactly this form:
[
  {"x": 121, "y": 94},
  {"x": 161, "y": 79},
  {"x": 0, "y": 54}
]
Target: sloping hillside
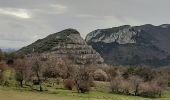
[{"x": 133, "y": 45}]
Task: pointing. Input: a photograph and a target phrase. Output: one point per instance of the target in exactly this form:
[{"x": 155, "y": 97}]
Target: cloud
[
  {"x": 20, "y": 13},
  {"x": 59, "y": 8},
  {"x": 85, "y": 16},
  {"x": 43, "y": 17}
]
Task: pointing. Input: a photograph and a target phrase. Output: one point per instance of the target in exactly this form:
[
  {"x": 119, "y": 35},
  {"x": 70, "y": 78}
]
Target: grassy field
[{"x": 58, "y": 93}]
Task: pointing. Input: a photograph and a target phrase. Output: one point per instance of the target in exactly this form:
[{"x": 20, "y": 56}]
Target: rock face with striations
[
  {"x": 127, "y": 45},
  {"x": 67, "y": 43}
]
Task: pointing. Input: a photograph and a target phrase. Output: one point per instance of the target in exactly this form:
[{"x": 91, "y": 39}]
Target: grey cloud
[{"x": 39, "y": 18}]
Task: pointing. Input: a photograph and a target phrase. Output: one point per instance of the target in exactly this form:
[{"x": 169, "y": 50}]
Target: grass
[{"x": 59, "y": 93}]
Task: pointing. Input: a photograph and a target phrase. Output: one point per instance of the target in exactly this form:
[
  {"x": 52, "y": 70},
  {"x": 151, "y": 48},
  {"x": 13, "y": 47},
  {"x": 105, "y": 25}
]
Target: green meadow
[{"x": 99, "y": 92}]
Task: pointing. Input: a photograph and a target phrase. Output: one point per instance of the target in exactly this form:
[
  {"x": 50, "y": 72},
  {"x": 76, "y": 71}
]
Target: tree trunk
[
  {"x": 40, "y": 81},
  {"x": 21, "y": 83},
  {"x": 41, "y": 87},
  {"x": 136, "y": 90}
]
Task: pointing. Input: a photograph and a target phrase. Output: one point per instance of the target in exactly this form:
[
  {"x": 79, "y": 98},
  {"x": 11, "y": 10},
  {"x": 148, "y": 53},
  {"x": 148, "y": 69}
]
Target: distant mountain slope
[
  {"x": 8, "y": 49},
  {"x": 127, "y": 45},
  {"x": 67, "y": 43}
]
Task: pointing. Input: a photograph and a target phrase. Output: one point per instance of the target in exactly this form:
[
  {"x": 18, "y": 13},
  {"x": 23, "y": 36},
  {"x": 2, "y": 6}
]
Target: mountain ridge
[
  {"x": 65, "y": 44},
  {"x": 132, "y": 45}
]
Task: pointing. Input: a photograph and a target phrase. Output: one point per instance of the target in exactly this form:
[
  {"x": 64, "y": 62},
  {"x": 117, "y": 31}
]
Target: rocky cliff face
[
  {"x": 127, "y": 45},
  {"x": 121, "y": 35},
  {"x": 65, "y": 44}
]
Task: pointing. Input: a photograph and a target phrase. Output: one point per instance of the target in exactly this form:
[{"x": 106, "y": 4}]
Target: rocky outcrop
[
  {"x": 133, "y": 45},
  {"x": 123, "y": 35},
  {"x": 65, "y": 44}
]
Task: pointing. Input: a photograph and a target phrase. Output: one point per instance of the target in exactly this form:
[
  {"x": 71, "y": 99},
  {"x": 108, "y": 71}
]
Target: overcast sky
[{"x": 24, "y": 21}]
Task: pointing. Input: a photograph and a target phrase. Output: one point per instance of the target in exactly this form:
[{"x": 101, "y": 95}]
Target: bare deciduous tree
[
  {"x": 136, "y": 81},
  {"x": 38, "y": 69},
  {"x": 82, "y": 79},
  {"x": 21, "y": 66},
  {"x": 115, "y": 84}
]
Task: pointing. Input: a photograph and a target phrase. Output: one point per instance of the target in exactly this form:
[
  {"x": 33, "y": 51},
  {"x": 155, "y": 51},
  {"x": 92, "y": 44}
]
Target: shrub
[
  {"x": 100, "y": 75},
  {"x": 8, "y": 77},
  {"x": 112, "y": 73},
  {"x": 135, "y": 82},
  {"x": 115, "y": 84},
  {"x": 84, "y": 86},
  {"x": 146, "y": 73},
  {"x": 68, "y": 84},
  {"x": 82, "y": 79},
  {"x": 121, "y": 86},
  {"x": 92, "y": 83},
  {"x": 126, "y": 87},
  {"x": 150, "y": 89},
  {"x": 3, "y": 67}
]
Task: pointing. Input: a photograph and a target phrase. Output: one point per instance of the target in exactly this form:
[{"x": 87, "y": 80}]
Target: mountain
[
  {"x": 65, "y": 44},
  {"x": 8, "y": 49},
  {"x": 133, "y": 45}
]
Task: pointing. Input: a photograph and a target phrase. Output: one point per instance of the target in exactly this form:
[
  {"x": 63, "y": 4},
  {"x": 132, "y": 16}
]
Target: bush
[
  {"x": 68, "y": 84},
  {"x": 3, "y": 67},
  {"x": 135, "y": 82},
  {"x": 136, "y": 86},
  {"x": 115, "y": 84},
  {"x": 121, "y": 86},
  {"x": 150, "y": 89},
  {"x": 126, "y": 87},
  {"x": 100, "y": 75},
  {"x": 82, "y": 79},
  {"x": 112, "y": 73},
  {"x": 8, "y": 77},
  {"x": 146, "y": 73},
  {"x": 92, "y": 84},
  {"x": 84, "y": 86}
]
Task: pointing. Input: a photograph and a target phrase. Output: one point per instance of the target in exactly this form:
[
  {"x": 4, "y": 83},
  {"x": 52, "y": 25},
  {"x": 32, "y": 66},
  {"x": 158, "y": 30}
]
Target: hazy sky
[{"x": 24, "y": 21}]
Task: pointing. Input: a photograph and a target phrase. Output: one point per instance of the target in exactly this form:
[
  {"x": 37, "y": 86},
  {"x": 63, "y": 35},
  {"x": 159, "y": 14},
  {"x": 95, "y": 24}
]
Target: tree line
[{"x": 36, "y": 70}]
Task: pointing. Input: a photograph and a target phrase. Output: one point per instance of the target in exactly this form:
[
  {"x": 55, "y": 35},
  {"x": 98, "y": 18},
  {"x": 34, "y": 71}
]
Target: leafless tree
[
  {"x": 151, "y": 89},
  {"x": 136, "y": 81},
  {"x": 21, "y": 70},
  {"x": 38, "y": 69},
  {"x": 82, "y": 79},
  {"x": 58, "y": 67},
  {"x": 116, "y": 84}
]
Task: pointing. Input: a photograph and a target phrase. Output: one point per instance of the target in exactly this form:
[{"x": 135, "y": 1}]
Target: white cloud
[
  {"x": 20, "y": 13},
  {"x": 59, "y": 8}
]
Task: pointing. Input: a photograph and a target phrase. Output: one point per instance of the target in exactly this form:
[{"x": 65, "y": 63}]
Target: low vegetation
[
  {"x": 58, "y": 92},
  {"x": 78, "y": 81}
]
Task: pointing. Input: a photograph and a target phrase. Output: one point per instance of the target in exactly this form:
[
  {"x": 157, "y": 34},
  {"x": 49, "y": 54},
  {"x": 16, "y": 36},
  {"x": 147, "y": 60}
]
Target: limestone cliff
[
  {"x": 133, "y": 45},
  {"x": 67, "y": 43}
]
